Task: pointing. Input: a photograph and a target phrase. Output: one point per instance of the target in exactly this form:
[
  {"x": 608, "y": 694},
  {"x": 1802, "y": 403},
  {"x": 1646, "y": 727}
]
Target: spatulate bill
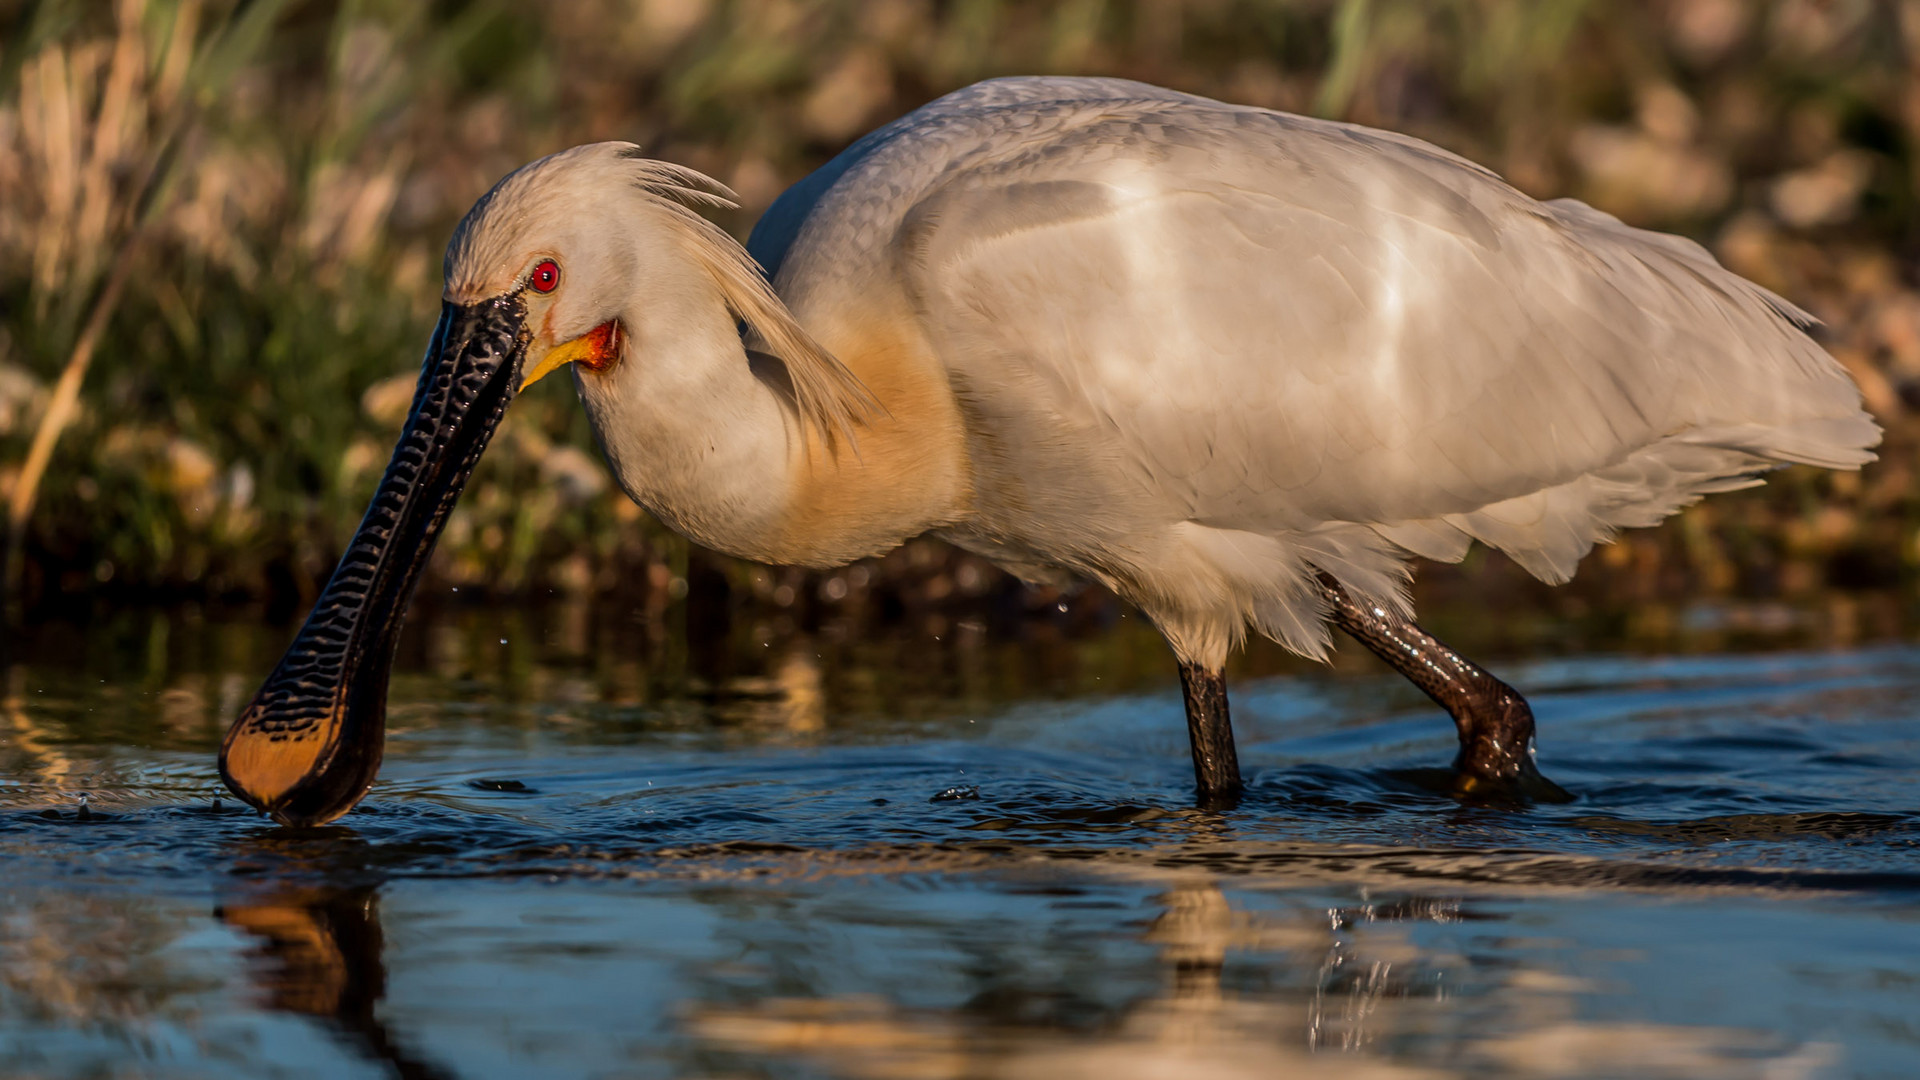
[{"x": 308, "y": 746}]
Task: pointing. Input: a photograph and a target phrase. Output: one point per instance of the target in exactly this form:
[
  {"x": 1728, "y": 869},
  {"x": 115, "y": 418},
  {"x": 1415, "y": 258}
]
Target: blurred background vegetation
[{"x": 248, "y": 203}]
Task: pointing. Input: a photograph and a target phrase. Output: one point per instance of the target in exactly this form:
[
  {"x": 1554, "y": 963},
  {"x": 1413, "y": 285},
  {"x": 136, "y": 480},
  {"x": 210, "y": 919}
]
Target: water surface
[{"x": 596, "y": 850}]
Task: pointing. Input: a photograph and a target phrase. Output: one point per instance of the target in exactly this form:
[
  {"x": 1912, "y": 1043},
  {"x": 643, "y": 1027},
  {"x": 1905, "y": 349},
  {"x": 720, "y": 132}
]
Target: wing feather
[
  {"x": 1284, "y": 323},
  {"x": 1204, "y": 350}
]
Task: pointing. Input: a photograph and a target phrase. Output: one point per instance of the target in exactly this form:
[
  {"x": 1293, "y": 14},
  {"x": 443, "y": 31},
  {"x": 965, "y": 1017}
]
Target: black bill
[{"x": 308, "y": 746}]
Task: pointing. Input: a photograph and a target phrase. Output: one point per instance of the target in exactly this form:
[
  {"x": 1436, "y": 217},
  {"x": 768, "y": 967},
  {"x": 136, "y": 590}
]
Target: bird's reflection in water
[
  {"x": 1348, "y": 994},
  {"x": 313, "y": 911},
  {"x": 1195, "y": 1025}
]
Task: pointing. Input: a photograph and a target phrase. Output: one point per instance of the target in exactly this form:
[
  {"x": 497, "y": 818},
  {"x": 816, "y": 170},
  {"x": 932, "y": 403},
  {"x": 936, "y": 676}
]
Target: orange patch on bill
[{"x": 600, "y": 346}]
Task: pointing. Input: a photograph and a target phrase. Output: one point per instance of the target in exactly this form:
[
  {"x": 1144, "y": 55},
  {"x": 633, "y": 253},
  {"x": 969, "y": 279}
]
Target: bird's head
[
  {"x": 563, "y": 262},
  {"x": 585, "y": 242}
]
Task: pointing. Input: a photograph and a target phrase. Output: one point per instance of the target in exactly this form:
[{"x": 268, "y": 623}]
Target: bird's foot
[
  {"x": 1526, "y": 785},
  {"x": 1495, "y": 763}
]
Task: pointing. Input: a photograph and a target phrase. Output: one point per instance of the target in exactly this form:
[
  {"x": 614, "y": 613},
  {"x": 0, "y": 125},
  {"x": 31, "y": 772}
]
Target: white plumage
[{"x": 1201, "y": 348}]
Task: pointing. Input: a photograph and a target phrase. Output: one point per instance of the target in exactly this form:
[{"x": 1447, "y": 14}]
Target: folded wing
[{"x": 1283, "y": 323}]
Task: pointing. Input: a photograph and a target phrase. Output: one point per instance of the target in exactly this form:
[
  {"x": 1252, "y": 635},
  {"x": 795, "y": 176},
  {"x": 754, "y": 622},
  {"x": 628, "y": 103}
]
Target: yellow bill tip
[
  {"x": 597, "y": 349},
  {"x": 555, "y": 359}
]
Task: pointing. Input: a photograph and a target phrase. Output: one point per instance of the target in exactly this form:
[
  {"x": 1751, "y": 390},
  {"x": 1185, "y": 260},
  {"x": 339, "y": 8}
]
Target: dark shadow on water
[{"x": 312, "y": 908}]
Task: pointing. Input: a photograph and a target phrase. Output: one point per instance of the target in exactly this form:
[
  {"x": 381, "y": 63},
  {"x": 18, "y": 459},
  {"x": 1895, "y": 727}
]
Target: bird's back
[{"x": 1183, "y": 330}]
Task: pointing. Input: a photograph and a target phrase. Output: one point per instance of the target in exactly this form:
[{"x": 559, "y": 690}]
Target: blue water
[{"x": 961, "y": 857}]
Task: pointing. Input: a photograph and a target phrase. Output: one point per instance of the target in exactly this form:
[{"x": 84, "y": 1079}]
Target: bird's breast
[{"x": 905, "y": 473}]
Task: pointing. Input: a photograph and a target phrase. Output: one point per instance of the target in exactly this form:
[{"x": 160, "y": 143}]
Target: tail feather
[{"x": 1549, "y": 531}]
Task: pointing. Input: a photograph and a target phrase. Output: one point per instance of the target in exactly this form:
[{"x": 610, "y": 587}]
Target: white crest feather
[{"x": 830, "y": 399}]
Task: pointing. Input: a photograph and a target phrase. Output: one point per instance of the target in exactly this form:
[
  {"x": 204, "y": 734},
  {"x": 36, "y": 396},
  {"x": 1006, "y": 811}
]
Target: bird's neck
[
  {"x": 708, "y": 441},
  {"x": 908, "y": 471}
]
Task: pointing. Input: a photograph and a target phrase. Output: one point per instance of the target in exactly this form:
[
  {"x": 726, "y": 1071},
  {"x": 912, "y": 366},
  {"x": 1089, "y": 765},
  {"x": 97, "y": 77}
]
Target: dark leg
[
  {"x": 1216, "y": 767},
  {"x": 1494, "y": 721}
]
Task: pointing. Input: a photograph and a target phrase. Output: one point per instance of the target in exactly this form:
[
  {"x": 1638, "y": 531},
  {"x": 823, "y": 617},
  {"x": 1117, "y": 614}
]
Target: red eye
[{"x": 545, "y": 276}]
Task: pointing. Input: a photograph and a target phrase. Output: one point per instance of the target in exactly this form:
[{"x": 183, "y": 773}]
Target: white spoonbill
[{"x": 1235, "y": 365}]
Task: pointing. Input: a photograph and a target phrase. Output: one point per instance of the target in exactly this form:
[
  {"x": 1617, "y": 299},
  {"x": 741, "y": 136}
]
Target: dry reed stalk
[
  {"x": 88, "y": 194},
  {"x": 60, "y": 409}
]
